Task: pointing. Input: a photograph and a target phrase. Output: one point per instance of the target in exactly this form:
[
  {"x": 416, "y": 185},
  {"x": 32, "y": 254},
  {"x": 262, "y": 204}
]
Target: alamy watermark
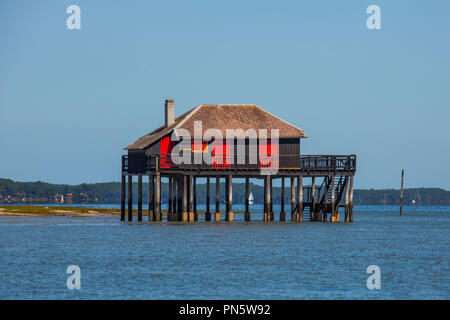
[
  {"x": 74, "y": 20},
  {"x": 374, "y": 280},
  {"x": 74, "y": 280}
]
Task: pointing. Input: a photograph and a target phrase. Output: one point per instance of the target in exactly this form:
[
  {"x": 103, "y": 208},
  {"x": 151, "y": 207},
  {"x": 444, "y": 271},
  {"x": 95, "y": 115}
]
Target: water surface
[{"x": 241, "y": 260}]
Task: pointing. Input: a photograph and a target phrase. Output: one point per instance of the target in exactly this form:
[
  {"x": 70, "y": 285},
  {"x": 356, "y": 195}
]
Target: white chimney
[{"x": 170, "y": 112}]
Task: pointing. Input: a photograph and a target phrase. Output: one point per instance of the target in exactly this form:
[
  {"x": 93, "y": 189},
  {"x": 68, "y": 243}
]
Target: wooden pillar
[
  {"x": 169, "y": 202},
  {"x": 266, "y": 198},
  {"x": 122, "y": 199},
  {"x": 293, "y": 199},
  {"x": 194, "y": 194},
  {"x": 351, "y": 198},
  {"x": 313, "y": 199},
  {"x": 139, "y": 197},
  {"x": 229, "y": 215},
  {"x": 282, "y": 212},
  {"x": 401, "y": 193},
  {"x": 325, "y": 205},
  {"x": 247, "y": 203},
  {"x": 185, "y": 199},
  {"x": 208, "y": 191},
  {"x": 151, "y": 198},
  {"x": 300, "y": 199},
  {"x": 190, "y": 198},
  {"x": 157, "y": 192},
  {"x": 333, "y": 200},
  {"x": 217, "y": 214},
  {"x": 180, "y": 189},
  {"x": 271, "y": 199},
  {"x": 130, "y": 197},
  {"x": 174, "y": 199},
  {"x": 346, "y": 198}
]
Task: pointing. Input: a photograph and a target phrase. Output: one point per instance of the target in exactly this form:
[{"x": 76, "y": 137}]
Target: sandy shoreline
[{"x": 40, "y": 211}]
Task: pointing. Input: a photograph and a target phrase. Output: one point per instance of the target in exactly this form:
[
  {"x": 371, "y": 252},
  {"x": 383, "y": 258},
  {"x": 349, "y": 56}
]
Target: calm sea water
[{"x": 229, "y": 261}]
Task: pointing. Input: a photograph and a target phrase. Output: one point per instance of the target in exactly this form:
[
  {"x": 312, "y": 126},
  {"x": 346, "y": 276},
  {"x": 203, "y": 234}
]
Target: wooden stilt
[
  {"x": 229, "y": 215},
  {"x": 170, "y": 207},
  {"x": 293, "y": 215},
  {"x": 139, "y": 197},
  {"x": 266, "y": 198},
  {"x": 208, "y": 192},
  {"x": 122, "y": 199},
  {"x": 157, "y": 192},
  {"x": 271, "y": 200},
  {"x": 313, "y": 199},
  {"x": 194, "y": 195},
  {"x": 185, "y": 199},
  {"x": 190, "y": 198},
  {"x": 351, "y": 198},
  {"x": 180, "y": 189},
  {"x": 282, "y": 212},
  {"x": 346, "y": 199},
  {"x": 325, "y": 206},
  {"x": 247, "y": 203},
  {"x": 151, "y": 198},
  {"x": 130, "y": 197},
  {"x": 300, "y": 199},
  {"x": 333, "y": 200},
  {"x": 217, "y": 214}
]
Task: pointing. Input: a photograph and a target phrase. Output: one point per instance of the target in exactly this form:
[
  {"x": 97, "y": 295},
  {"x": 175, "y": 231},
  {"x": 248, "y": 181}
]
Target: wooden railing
[{"x": 308, "y": 163}]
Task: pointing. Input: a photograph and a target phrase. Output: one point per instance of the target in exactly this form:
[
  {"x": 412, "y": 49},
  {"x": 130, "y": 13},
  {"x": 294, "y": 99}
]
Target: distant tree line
[{"x": 109, "y": 193}]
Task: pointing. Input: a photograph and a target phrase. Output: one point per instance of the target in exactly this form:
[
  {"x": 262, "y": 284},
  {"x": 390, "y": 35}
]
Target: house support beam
[
  {"x": 229, "y": 192},
  {"x": 217, "y": 213},
  {"x": 157, "y": 192},
  {"x": 346, "y": 199},
  {"x": 185, "y": 199},
  {"x": 282, "y": 212},
  {"x": 151, "y": 197},
  {"x": 352, "y": 178},
  {"x": 313, "y": 199},
  {"x": 293, "y": 199},
  {"x": 267, "y": 198},
  {"x": 122, "y": 198},
  {"x": 300, "y": 199},
  {"x": 247, "y": 202},
  {"x": 140, "y": 197},
  {"x": 130, "y": 197},
  {"x": 333, "y": 199},
  {"x": 208, "y": 191},
  {"x": 194, "y": 194},
  {"x": 190, "y": 198},
  {"x": 169, "y": 201}
]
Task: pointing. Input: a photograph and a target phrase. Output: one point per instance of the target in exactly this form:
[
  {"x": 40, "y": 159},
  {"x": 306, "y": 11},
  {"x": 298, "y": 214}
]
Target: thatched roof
[{"x": 222, "y": 117}]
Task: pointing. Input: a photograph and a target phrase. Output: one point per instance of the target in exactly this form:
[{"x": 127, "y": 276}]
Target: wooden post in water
[
  {"x": 271, "y": 199},
  {"x": 282, "y": 212},
  {"x": 157, "y": 191},
  {"x": 180, "y": 198},
  {"x": 293, "y": 215},
  {"x": 313, "y": 199},
  {"x": 217, "y": 214},
  {"x": 325, "y": 204},
  {"x": 174, "y": 199},
  {"x": 352, "y": 178},
  {"x": 194, "y": 194},
  {"x": 130, "y": 197},
  {"x": 140, "y": 197},
  {"x": 190, "y": 198},
  {"x": 300, "y": 199},
  {"x": 208, "y": 191},
  {"x": 122, "y": 199},
  {"x": 185, "y": 199},
  {"x": 247, "y": 202},
  {"x": 266, "y": 198},
  {"x": 170, "y": 208},
  {"x": 401, "y": 193},
  {"x": 333, "y": 200},
  {"x": 151, "y": 198},
  {"x": 230, "y": 215},
  {"x": 347, "y": 188}
]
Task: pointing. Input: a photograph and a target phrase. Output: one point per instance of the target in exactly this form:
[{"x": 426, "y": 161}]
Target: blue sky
[{"x": 70, "y": 100}]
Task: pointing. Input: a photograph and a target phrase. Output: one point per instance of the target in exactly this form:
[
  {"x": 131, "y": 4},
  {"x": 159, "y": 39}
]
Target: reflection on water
[{"x": 222, "y": 261}]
